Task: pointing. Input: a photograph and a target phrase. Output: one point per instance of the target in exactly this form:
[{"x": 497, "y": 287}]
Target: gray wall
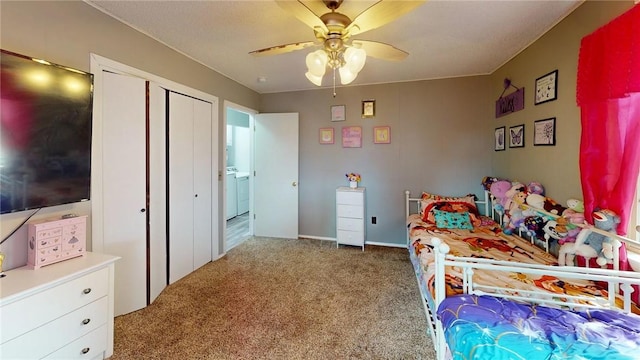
[{"x": 436, "y": 145}]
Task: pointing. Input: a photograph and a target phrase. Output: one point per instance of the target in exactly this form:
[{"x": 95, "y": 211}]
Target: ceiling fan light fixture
[
  {"x": 346, "y": 76},
  {"x": 354, "y": 59},
  {"x": 316, "y": 80},
  {"x": 317, "y": 62}
]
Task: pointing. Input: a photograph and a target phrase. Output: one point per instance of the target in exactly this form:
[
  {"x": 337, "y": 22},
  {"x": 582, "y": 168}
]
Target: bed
[{"x": 489, "y": 295}]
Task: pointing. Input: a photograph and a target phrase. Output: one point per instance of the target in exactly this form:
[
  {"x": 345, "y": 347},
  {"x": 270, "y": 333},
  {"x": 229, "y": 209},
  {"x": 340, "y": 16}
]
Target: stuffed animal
[
  {"x": 553, "y": 207},
  {"x": 535, "y": 200},
  {"x": 555, "y": 229},
  {"x": 535, "y": 187},
  {"x": 576, "y": 205},
  {"x": 498, "y": 190},
  {"x": 591, "y": 244},
  {"x": 487, "y": 181}
]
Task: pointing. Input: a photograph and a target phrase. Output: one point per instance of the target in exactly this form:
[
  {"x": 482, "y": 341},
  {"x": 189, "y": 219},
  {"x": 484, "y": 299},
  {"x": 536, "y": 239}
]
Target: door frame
[{"x": 228, "y": 105}]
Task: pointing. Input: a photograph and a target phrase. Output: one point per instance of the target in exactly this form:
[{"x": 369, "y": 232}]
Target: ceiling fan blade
[
  {"x": 381, "y": 13},
  {"x": 281, "y": 49},
  {"x": 380, "y": 50},
  {"x": 304, "y": 14}
]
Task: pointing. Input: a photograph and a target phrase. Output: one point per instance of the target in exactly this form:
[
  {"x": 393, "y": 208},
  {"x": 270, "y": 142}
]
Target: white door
[
  {"x": 276, "y": 175},
  {"x": 203, "y": 183},
  {"x": 181, "y": 192},
  {"x": 124, "y": 187}
]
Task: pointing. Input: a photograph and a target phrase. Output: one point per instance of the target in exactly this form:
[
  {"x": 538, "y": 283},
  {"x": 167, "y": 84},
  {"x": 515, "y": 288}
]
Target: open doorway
[{"x": 238, "y": 182}]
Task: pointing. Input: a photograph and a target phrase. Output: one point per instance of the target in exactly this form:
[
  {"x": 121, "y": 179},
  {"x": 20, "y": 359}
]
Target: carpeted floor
[{"x": 285, "y": 299}]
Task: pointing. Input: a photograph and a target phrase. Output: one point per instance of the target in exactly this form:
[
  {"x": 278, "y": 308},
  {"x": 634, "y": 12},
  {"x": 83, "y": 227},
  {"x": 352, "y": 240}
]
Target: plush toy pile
[{"x": 525, "y": 209}]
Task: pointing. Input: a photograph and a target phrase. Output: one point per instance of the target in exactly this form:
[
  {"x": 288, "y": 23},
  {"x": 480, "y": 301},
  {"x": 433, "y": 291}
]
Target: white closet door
[
  {"x": 181, "y": 195},
  {"x": 124, "y": 187},
  {"x": 157, "y": 191},
  {"x": 202, "y": 183}
]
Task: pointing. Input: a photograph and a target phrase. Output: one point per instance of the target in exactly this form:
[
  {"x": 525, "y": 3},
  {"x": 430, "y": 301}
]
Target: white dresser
[
  {"x": 60, "y": 311},
  {"x": 350, "y": 217}
]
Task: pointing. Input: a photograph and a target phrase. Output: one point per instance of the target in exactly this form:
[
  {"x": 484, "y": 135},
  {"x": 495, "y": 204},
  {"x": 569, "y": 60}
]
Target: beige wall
[{"x": 556, "y": 167}]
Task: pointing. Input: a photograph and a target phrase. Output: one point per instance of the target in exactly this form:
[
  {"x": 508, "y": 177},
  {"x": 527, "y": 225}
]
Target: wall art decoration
[
  {"x": 327, "y": 136},
  {"x": 382, "y": 134},
  {"x": 544, "y": 132},
  {"x": 351, "y": 136},
  {"x": 499, "y": 139},
  {"x": 516, "y": 136},
  {"x": 368, "y": 108},
  {"x": 547, "y": 88},
  {"x": 507, "y": 104},
  {"x": 338, "y": 113}
]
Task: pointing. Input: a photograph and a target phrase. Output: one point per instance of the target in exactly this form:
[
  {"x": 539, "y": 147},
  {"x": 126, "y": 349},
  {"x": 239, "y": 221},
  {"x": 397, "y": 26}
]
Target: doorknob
[{"x": 294, "y": 184}]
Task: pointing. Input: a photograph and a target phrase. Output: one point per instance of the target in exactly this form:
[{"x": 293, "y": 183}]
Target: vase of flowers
[{"x": 354, "y": 179}]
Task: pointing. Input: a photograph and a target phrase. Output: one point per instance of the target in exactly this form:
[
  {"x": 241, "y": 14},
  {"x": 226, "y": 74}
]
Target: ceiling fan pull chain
[{"x": 334, "y": 82}]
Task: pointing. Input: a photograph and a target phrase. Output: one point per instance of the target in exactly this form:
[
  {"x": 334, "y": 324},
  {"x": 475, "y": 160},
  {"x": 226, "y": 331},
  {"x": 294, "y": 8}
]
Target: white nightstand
[{"x": 350, "y": 216}]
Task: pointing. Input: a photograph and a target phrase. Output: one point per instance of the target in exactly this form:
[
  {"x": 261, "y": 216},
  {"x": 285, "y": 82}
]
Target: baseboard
[{"x": 366, "y": 242}]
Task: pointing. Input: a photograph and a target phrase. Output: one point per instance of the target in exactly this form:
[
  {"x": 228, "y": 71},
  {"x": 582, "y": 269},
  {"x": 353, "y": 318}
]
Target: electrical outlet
[{"x": 374, "y": 220}]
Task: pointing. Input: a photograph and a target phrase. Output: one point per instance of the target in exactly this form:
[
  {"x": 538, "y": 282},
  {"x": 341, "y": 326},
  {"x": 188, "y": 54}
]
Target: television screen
[{"x": 45, "y": 133}]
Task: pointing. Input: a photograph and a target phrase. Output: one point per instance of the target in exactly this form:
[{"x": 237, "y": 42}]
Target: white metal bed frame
[{"x": 614, "y": 279}]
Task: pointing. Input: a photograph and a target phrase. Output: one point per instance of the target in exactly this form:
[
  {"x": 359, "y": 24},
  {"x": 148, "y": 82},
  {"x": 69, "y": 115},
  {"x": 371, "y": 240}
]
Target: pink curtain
[{"x": 608, "y": 93}]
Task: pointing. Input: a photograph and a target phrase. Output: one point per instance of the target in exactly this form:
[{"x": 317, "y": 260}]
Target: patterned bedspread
[
  {"x": 487, "y": 241},
  {"x": 485, "y": 327}
]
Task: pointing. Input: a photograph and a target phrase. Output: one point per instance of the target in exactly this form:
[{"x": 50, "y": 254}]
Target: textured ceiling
[{"x": 444, "y": 38}]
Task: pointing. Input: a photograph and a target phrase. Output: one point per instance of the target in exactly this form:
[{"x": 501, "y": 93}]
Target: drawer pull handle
[
  {"x": 85, "y": 350},
  {"x": 86, "y": 321},
  {"x": 86, "y": 291}
]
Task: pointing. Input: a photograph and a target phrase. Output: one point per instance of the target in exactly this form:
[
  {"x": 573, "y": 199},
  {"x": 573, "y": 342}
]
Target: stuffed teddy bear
[
  {"x": 535, "y": 200},
  {"x": 591, "y": 244},
  {"x": 498, "y": 190},
  {"x": 535, "y": 187}
]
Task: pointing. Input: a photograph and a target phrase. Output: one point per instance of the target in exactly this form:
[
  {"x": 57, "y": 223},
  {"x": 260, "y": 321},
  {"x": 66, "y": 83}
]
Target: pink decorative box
[{"x": 54, "y": 240}]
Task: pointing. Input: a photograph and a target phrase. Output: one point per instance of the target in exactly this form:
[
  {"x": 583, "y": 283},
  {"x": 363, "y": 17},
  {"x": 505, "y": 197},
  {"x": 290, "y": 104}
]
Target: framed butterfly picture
[{"x": 516, "y": 136}]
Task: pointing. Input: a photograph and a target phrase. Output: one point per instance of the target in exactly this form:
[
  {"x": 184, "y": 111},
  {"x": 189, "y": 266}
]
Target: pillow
[
  {"x": 452, "y": 220},
  {"x": 430, "y": 202}
]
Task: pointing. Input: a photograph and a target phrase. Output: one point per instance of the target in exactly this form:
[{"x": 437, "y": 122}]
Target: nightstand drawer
[
  {"x": 349, "y": 198},
  {"x": 355, "y": 238},
  {"x": 350, "y": 211},
  {"x": 350, "y": 224}
]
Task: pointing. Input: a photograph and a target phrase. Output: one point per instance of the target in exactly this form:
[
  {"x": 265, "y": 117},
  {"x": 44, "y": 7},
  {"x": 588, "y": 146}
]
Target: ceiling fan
[{"x": 333, "y": 31}]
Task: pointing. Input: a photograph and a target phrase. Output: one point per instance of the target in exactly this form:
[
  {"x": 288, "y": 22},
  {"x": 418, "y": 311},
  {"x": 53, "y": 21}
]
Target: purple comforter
[{"x": 485, "y": 327}]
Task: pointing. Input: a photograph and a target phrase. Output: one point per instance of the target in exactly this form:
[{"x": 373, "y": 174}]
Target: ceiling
[{"x": 444, "y": 38}]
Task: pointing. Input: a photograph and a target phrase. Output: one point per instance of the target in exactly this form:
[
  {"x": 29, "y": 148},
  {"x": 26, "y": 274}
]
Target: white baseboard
[{"x": 366, "y": 242}]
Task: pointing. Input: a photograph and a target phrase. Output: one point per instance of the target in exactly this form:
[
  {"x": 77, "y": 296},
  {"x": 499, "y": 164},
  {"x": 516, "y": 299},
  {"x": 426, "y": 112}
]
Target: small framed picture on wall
[
  {"x": 516, "y": 136},
  {"x": 382, "y": 135},
  {"x": 327, "y": 136},
  {"x": 499, "y": 140},
  {"x": 547, "y": 88},
  {"x": 544, "y": 132}
]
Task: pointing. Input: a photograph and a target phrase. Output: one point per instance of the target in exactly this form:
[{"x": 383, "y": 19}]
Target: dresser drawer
[
  {"x": 350, "y": 224},
  {"x": 57, "y": 333},
  {"x": 351, "y": 237},
  {"x": 91, "y": 346},
  {"x": 34, "y": 311},
  {"x": 350, "y": 211},
  {"x": 350, "y": 198}
]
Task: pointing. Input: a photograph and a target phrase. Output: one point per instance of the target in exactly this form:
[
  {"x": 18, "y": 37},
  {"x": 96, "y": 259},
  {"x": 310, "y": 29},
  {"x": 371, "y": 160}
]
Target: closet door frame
[{"x": 157, "y": 224}]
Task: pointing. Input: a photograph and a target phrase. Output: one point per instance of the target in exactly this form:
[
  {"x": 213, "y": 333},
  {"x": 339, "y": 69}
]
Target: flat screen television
[{"x": 45, "y": 133}]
